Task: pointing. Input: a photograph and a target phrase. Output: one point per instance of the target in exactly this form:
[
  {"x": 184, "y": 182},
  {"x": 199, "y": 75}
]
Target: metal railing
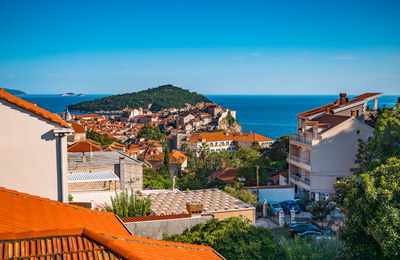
[
  {"x": 298, "y": 159},
  {"x": 297, "y": 178},
  {"x": 301, "y": 139}
]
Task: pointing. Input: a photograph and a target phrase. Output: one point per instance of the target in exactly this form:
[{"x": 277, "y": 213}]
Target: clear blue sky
[{"x": 213, "y": 47}]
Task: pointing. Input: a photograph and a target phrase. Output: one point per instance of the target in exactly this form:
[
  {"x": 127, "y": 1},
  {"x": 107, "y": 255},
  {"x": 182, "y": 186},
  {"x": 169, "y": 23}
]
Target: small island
[{"x": 70, "y": 94}]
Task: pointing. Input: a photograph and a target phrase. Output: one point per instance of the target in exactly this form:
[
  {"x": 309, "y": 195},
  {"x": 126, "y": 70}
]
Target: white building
[
  {"x": 33, "y": 150},
  {"x": 326, "y": 144}
]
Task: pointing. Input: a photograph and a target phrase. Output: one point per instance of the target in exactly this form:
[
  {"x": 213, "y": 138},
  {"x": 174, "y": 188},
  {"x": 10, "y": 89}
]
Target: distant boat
[{"x": 68, "y": 95}]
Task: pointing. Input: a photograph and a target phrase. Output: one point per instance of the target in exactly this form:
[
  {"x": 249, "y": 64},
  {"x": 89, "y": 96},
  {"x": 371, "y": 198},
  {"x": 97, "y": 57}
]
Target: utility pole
[{"x": 258, "y": 193}]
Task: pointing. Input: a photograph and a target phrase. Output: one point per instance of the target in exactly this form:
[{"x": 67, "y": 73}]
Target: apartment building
[
  {"x": 225, "y": 141},
  {"x": 326, "y": 144}
]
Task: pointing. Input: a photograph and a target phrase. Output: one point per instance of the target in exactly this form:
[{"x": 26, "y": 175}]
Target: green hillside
[{"x": 161, "y": 97}]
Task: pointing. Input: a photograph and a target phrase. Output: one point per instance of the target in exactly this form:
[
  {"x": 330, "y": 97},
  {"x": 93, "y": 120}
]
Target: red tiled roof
[
  {"x": 26, "y": 216},
  {"x": 227, "y": 175},
  {"x": 336, "y": 105},
  {"x": 83, "y": 146},
  {"x": 32, "y": 226},
  {"x": 32, "y": 108},
  {"x": 177, "y": 157},
  {"x": 77, "y": 127},
  {"x": 227, "y": 136},
  {"x": 329, "y": 121}
]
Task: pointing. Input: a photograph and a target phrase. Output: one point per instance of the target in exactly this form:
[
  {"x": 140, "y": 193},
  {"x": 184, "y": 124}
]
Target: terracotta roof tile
[
  {"x": 32, "y": 108},
  {"x": 77, "y": 127},
  {"x": 26, "y": 216},
  {"x": 83, "y": 146},
  {"x": 31, "y": 226},
  {"x": 337, "y": 105}
]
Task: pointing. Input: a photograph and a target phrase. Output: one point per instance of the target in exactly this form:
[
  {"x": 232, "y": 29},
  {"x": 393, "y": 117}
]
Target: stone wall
[
  {"x": 156, "y": 228},
  {"x": 96, "y": 185}
]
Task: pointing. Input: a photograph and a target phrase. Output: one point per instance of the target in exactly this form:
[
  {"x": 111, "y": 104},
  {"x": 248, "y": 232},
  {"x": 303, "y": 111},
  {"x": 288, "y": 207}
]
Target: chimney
[
  {"x": 342, "y": 98},
  {"x": 194, "y": 208},
  {"x": 83, "y": 157},
  {"x": 122, "y": 172}
]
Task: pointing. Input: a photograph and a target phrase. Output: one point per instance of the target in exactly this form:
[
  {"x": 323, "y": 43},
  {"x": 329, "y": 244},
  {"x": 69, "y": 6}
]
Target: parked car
[
  {"x": 287, "y": 206},
  {"x": 301, "y": 228},
  {"x": 275, "y": 207},
  {"x": 304, "y": 203},
  {"x": 310, "y": 234}
]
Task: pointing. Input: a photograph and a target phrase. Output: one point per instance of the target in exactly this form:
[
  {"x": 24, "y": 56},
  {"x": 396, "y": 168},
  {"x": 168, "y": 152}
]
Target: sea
[{"x": 268, "y": 115}]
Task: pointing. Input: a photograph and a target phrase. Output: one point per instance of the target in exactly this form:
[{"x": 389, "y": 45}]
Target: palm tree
[{"x": 204, "y": 152}]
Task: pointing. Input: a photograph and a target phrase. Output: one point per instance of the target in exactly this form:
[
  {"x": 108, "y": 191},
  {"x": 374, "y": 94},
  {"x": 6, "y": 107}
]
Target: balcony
[
  {"x": 301, "y": 140},
  {"x": 295, "y": 177},
  {"x": 299, "y": 162}
]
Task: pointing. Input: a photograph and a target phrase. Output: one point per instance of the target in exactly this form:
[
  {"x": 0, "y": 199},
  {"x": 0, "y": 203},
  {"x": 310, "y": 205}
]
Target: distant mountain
[
  {"x": 165, "y": 96},
  {"x": 14, "y": 91}
]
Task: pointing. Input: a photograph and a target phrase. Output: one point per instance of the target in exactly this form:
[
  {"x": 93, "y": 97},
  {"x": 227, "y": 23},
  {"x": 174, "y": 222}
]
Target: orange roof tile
[
  {"x": 83, "y": 146},
  {"x": 336, "y": 104},
  {"x": 227, "y": 175},
  {"x": 32, "y": 226},
  {"x": 26, "y": 216},
  {"x": 32, "y": 108},
  {"x": 77, "y": 127},
  {"x": 177, "y": 157},
  {"x": 228, "y": 136}
]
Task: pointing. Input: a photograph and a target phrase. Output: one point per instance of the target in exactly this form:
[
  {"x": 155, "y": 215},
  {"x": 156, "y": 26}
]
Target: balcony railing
[
  {"x": 299, "y": 160},
  {"x": 301, "y": 139},
  {"x": 297, "y": 178}
]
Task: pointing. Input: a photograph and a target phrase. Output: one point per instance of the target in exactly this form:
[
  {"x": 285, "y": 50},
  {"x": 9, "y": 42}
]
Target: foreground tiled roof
[
  {"x": 26, "y": 216},
  {"x": 32, "y": 226},
  {"x": 174, "y": 202},
  {"x": 32, "y": 108},
  {"x": 153, "y": 217}
]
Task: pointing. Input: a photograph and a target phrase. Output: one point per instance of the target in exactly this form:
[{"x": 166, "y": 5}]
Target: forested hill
[
  {"x": 165, "y": 96},
  {"x": 15, "y": 91}
]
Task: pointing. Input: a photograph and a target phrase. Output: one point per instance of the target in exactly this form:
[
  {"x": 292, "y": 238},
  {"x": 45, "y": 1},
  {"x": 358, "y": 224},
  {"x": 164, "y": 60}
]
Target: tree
[
  {"x": 314, "y": 249},
  {"x": 151, "y": 132},
  {"x": 184, "y": 147},
  {"x": 166, "y": 158},
  {"x": 103, "y": 139},
  {"x": 321, "y": 209},
  {"x": 237, "y": 191},
  {"x": 234, "y": 238},
  {"x": 279, "y": 150},
  {"x": 204, "y": 152},
  {"x": 384, "y": 143},
  {"x": 156, "y": 180},
  {"x": 125, "y": 205},
  {"x": 371, "y": 203},
  {"x": 248, "y": 156}
]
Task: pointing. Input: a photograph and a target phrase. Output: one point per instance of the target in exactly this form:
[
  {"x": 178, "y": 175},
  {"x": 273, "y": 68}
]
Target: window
[{"x": 358, "y": 132}]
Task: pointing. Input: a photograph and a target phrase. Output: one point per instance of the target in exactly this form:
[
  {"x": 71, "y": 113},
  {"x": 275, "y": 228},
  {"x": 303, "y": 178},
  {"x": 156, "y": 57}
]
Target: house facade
[
  {"x": 33, "y": 150},
  {"x": 326, "y": 144},
  {"x": 225, "y": 141}
]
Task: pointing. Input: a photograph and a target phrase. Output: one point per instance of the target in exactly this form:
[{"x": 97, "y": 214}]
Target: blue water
[{"x": 271, "y": 116}]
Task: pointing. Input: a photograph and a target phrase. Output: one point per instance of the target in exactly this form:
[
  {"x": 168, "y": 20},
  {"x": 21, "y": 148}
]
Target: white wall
[
  {"x": 275, "y": 194},
  {"x": 334, "y": 155},
  {"x": 28, "y": 152}
]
